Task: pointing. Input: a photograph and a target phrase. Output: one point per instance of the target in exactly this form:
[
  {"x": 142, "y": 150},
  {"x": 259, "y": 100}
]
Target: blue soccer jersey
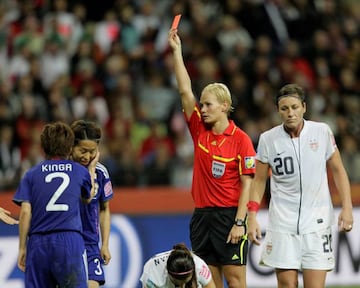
[
  {"x": 53, "y": 188},
  {"x": 90, "y": 212}
]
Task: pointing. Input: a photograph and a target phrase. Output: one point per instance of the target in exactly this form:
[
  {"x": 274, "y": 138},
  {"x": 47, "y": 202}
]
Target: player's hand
[
  {"x": 174, "y": 40},
  {"x": 345, "y": 220},
  {"x": 254, "y": 232},
  {"x": 21, "y": 260},
  {"x": 92, "y": 164},
  {"x": 235, "y": 235},
  {"x": 94, "y": 161},
  {"x": 4, "y": 216},
  {"x": 105, "y": 254}
]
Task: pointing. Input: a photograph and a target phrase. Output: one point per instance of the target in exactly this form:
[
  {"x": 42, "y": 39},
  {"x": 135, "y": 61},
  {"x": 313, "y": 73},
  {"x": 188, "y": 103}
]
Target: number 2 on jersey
[{"x": 52, "y": 206}]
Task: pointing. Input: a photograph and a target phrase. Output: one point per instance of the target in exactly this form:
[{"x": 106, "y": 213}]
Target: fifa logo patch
[
  {"x": 249, "y": 162},
  {"x": 218, "y": 169}
]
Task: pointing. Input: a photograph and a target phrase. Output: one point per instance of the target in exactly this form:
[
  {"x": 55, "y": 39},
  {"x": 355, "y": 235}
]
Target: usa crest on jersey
[{"x": 218, "y": 169}]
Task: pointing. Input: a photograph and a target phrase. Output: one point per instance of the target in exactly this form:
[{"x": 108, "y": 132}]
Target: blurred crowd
[{"x": 109, "y": 62}]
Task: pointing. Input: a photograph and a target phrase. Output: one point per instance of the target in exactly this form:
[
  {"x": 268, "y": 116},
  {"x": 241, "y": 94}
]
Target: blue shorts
[
  {"x": 56, "y": 260},
  {"x": 95, "y": 262}
]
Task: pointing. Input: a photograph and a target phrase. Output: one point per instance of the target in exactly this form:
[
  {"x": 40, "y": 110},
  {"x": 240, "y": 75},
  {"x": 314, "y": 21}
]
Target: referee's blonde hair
[{"x": 222, "y": 93}]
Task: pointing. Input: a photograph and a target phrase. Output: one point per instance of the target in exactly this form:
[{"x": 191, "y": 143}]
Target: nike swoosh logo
[{"x": 279, "y": 153}]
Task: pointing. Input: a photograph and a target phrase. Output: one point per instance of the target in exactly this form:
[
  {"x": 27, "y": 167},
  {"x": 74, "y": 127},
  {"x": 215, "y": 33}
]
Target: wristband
[{"x": 253, "y": 206}]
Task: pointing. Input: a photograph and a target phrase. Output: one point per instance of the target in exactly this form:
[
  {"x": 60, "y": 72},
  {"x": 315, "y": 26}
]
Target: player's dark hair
[
  {"x": 290, "y": 90},
  {"x": 180, "y": 265},
  {"x": 86, "y": 130},
  {"x": 57, "y": 140}
]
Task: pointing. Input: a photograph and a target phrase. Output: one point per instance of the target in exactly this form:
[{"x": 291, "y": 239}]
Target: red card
[{"x": 175, "y": 22}]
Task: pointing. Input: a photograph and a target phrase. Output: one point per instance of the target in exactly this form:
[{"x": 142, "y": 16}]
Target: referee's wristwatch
[{"x": 240, "y": 222}]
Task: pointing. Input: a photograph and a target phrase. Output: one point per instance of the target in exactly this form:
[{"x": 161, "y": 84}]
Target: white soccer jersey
[
  {"x": 155, "y": 274},
  {"x": 300, "y": 198}
]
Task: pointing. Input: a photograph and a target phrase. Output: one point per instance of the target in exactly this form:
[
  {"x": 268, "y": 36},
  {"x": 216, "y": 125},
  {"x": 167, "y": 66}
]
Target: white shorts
[{"x": 290, "y": 251}]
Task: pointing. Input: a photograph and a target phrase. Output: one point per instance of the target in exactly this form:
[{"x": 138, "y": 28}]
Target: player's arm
[
  {"x": 345, "y": 220},
  {"x": 183, "y": 79},
  {"x": 24, "y": 227},
  {"x": 257, "y": 191},
  {"x": 246, "y": 181},
  {"x": 236, "y": 231},
  {"x": 4, "y": 216},
  {"x": 211, "y": 284},
  {"x": 105, "y": 220}
]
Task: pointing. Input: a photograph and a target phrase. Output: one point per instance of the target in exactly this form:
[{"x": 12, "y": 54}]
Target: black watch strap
[{"x": 240, "y": 222}]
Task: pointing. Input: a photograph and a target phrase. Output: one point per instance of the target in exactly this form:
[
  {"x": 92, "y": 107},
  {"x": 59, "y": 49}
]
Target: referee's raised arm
[{"x": 183, "y": 79}]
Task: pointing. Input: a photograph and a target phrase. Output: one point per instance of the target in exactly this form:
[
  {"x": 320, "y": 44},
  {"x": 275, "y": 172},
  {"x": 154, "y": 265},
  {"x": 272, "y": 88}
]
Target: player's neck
[
  {"x": 294, "y": 132},
  {"x": 56, "y": 158}
]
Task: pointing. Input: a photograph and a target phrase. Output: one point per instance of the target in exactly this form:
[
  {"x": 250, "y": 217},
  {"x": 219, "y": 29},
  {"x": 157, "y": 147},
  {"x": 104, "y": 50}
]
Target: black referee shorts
[{"x": 209, "y": 229}]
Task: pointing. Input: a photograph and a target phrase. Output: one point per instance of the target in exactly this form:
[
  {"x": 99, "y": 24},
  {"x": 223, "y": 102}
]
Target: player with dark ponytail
[{"x": 178, "y": 267}]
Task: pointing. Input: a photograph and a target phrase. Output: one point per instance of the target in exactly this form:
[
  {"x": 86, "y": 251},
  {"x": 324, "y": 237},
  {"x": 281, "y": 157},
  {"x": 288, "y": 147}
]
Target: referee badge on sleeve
[
  {"x": 218, "y": 169},
  {"x": 249, "y": 162}
]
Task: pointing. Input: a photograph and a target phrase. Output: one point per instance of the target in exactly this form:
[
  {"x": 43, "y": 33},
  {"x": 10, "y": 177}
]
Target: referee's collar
[{"x": 230, "y": 130}]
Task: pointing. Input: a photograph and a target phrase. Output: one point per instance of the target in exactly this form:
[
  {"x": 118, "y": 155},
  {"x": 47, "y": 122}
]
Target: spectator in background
[
  {"x": 65, "y": 23},
  {"x": 351, "y": 157},
  {"x": 59, "y": 97},
  {"x": 158, "y": 135},
  {"x": 28, "y": 126},
  {"x": 34, "y": 156},
  {"x": 10, "y": 158},
  {"x": 271, "y": 20},
  {"x": 147, "y": 22},
  {"x": 24, "y": 89},
  {"x": 156, "y": 153},
  {"x": 158, "y": 171},
  {"x": 85, "y": 72},
  {"x": 129, "y": 36},
  {"x": 114, "y": 65},
  {"x": 128, "y": 169},
  {"x": 54, "y": 61},
  {"x": 184, "y": 153},
  {"x": 19, "y": 63},
  {"x": 4, "y": 51},
  {"x": 31, "y": 35},
  {"x": 88, "y": 105},
  {"x": 8, "y": 107},
  {"x": 35, "y": 73},
  {"x": 107, "y": 31},
  {"x": 231, "y": 35},
  {"x": 155, "y": 99}
]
